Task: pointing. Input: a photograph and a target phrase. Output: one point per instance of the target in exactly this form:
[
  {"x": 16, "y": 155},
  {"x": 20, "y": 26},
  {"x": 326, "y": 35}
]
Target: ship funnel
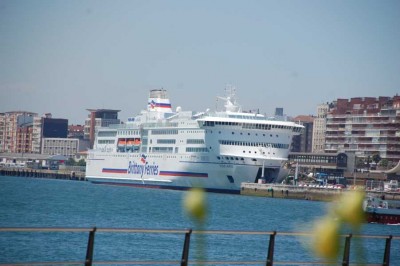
[{"x": 159, "y": 101}]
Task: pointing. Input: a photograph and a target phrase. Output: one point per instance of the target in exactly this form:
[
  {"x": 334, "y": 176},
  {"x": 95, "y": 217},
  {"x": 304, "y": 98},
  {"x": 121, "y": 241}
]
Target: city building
[
  {"x": 99, "y": 118},
  {"x": 60, "y": 146},
  {"x": 303, "y": 142},
  {"x": 16, "y": 131},
  {"x": 76, "y": 132},
  {"x": 367, "y": 126},
  {"x": 24, "y": 133},
  {"x": 319, "y": 127},
  {"x": 2, "y": 124}
]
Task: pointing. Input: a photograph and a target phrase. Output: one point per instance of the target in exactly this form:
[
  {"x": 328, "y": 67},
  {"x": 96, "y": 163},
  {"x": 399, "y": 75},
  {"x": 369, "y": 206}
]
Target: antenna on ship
[{"x": 230, "y": 99}]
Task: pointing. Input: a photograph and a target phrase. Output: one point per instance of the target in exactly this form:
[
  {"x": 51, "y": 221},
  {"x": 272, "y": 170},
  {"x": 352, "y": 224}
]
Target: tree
[
  {"x": 384, "y": 162},
  {"x": 359, "y": 162},
  {"x": 70, "y": 162},
  {"x": 81, "y": 162},
  {"x": 376, "y": 158}
]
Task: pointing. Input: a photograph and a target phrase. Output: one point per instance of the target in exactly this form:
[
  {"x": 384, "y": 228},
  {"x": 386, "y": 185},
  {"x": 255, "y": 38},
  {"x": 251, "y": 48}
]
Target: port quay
[
  {"x": 304, "y": 192},
  {"x": 300, "y": 192}
]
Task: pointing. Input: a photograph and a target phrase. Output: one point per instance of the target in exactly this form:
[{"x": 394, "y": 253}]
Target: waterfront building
[
  {"x": 2, "y": 124},
  {"x": 47, "y": 127},
  {"x": 99, "y": 118},
  {"x": 16, "y": 131},
  {"x": 62, "y": 146},
  {"x": 327, "y": 164},
  {"x": 319, "y": 126},
  {"x": 24, "y": 132},
  {"x": 303, "y": 142},
  {"x": 366, "y": 126}
]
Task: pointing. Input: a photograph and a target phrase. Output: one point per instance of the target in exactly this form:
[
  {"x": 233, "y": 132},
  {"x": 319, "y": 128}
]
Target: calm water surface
[{"x": 28, "y": 202}]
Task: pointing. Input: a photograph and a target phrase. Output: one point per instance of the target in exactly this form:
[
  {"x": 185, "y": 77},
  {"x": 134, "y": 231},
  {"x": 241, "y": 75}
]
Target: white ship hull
[{"x": 179, "y": 172}]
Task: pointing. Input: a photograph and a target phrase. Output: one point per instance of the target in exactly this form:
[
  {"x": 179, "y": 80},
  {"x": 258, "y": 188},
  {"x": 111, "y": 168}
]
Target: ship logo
[
  {"x": 143, "y": 167},
  {"x": 152, "y": 104},
  {"x": 143, "y": 158}
]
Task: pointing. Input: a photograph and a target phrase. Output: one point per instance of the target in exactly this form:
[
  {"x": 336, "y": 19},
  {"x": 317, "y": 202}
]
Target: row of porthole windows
[
  {"x": 252, "y": 125},
  {"x": 262, "y": 152},
  {"x": 241, "y": 133},
  {"x": 230, "y": 158},
  {"x": 254, "y": 144}
]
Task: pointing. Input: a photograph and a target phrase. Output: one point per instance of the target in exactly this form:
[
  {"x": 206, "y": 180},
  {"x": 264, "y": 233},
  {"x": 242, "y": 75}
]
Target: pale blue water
[{"x": 28, "y": 202}]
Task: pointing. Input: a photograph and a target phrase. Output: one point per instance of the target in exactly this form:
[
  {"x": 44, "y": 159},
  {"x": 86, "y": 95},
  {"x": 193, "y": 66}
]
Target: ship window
[
  {"x": 219, "y": 158},
  {"x": 233, "y": 133}
]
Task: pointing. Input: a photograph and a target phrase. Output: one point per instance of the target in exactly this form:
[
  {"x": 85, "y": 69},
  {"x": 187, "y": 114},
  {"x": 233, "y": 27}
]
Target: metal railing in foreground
[{"x": 184, "y": 261}]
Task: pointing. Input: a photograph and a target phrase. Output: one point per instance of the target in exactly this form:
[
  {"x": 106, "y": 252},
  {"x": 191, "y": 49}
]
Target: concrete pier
[
  {"x": 43, "y": 173},
  {"x": 304, "y": 193}
]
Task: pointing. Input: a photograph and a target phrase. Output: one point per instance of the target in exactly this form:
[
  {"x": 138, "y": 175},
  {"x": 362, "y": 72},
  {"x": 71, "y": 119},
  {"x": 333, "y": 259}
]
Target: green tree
[
  {"x": 81, "y": 162},
  {"x": 376, "y": 158},
  {"x": 70, "y": 162},
  {"x": 384, "y": 162}
]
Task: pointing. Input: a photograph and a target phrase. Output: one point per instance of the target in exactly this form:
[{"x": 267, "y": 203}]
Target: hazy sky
[{"x": 67, "y": 56}]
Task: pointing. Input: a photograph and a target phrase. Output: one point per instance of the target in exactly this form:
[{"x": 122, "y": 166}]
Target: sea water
[{"x": 32, "y": 202}]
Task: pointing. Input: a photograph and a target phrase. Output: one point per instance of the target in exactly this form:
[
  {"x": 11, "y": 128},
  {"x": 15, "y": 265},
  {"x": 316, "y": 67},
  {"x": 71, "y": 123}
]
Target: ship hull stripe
[
  {"x": 189, "y": 174},
  {"x": 114, "y": 170}
]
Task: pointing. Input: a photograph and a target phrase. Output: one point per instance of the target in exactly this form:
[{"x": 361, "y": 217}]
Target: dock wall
[
  {"x": 304, "y": 193},
  {"x": 43, "y": 173}
]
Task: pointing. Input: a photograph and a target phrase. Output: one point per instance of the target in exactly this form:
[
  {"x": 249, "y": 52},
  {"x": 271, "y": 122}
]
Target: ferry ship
[{"x": 215, "y": 150}]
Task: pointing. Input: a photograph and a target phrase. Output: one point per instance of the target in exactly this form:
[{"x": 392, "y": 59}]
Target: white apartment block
[
  {"x": 318, "y": 138},
  {"x": 36, "y": 135},
  {"x": 2, "y": 126},
  {"x": 62, "y": 146}
]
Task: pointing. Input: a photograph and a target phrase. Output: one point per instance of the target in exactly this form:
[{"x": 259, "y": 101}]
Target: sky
[{"x": 63, "y": 57}]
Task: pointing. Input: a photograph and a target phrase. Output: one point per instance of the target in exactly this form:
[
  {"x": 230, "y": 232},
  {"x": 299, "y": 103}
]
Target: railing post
[
  {"x": 185, "y": 252},
  {"x": 386, "y": 257},
  {"x": 271, "y": 246},
  {"x": 346, "y": 255},
  {"x": 90, "y": 247}
]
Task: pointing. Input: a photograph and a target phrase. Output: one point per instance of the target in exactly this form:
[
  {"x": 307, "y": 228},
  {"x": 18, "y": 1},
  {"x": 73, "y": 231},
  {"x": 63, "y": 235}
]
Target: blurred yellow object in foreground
[
  {"x": 195, "y": 204},
  {"x": 350, "y": 208},
  {"x": 326, "y": 238},
  {"x": 347, "y": 211}
]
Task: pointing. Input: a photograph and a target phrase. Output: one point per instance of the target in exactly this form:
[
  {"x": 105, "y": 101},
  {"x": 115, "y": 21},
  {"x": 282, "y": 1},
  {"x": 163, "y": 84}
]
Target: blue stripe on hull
[{"x": 138, "y": 185}]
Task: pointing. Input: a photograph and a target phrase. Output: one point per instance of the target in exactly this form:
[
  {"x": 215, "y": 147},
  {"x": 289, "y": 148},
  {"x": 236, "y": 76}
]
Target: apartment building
[
  {"x": 319, "y": 127},
  {"x": 2, "y": 124},
  {"x": 303, "y": 142},
  {"x": 16, "y": 131},
  {"x": 365, "y": 126},
  {"x": 99, "y": 118}
]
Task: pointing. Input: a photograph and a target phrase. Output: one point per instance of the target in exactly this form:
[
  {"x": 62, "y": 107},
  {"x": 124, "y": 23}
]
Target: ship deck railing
[{"x": 187, "y": 233}]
